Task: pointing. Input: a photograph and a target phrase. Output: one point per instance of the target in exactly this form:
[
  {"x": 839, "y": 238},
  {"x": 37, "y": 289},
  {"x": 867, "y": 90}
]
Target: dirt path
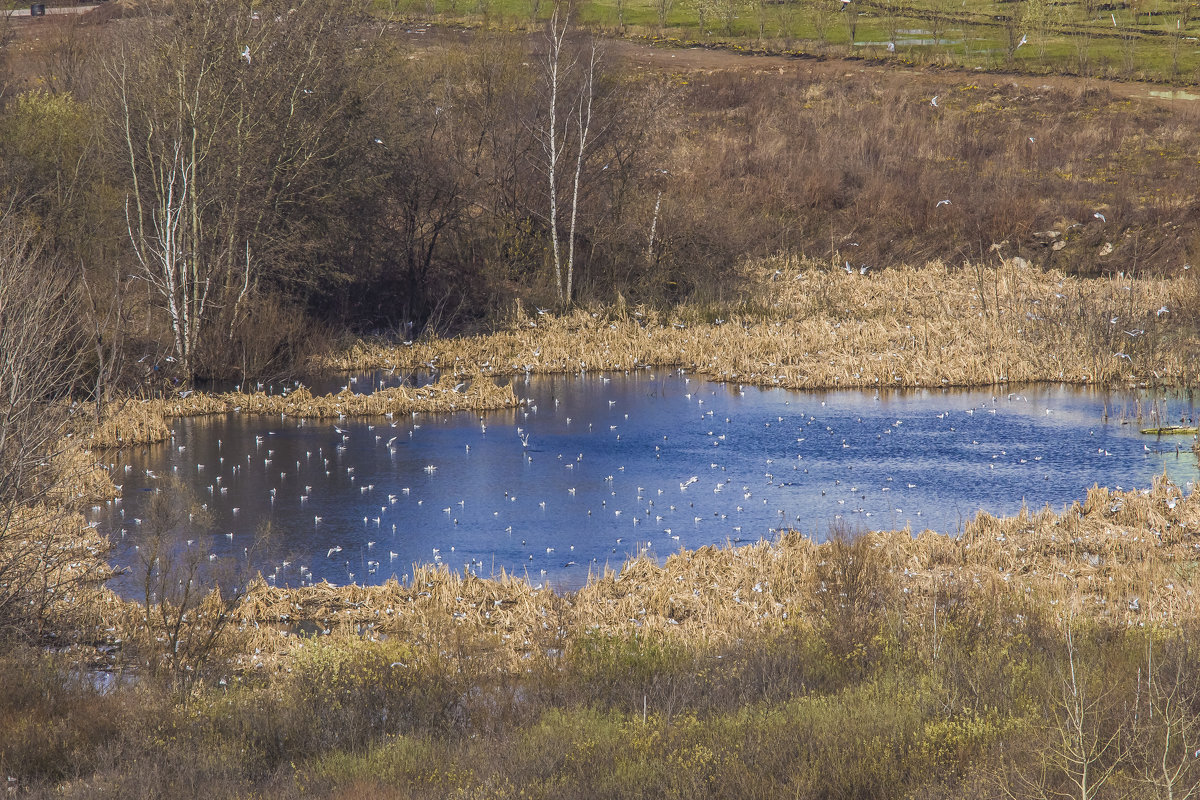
[
  {"x": 703, "y": 59},
  {"x": 688, "y": 60}
]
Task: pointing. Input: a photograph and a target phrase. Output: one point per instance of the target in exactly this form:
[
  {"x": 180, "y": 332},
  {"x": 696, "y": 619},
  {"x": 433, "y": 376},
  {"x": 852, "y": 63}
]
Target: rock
[{"x": 1106, "y": 249}]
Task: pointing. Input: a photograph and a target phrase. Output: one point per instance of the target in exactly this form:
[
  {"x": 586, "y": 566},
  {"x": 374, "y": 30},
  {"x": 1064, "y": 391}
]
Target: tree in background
[
  {"x": 1040, "y": 17},
  {"x": 662, "y": 10},
  {"x": 230, "y": 119},
  {"x": 566, "y": 134},
  {"x": 413, "y": 195},
  {"x": 593, "y": 136},
  {"x": 189, "y": 597}
]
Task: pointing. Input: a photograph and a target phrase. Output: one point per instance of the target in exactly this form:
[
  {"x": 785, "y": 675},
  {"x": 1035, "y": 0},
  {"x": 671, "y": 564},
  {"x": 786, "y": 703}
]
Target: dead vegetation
[
  {"x": 886, "y": 167},
  {"x": 805, "y": 324},
  {"x": 1124, "y": 557},
  {"x": 139, "y": 422}
]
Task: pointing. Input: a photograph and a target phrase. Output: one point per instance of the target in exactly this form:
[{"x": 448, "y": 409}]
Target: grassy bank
[
  {"x": 130, "y": 422},
  {"x": 811, "y": 325},
  {"x": 1149, "y": 40},
  {"x": 882, "y": 666}
]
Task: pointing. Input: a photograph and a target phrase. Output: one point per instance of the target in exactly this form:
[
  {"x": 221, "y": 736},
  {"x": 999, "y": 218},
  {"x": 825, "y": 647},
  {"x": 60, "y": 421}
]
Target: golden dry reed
[
  {"x": 127, "y": 422},
  {"x": 1127, "y": 555},
  {"x": 139, "y": 422},
  {"x": 54, "y": 558},
  {"x": 1124, "y": 555},
  {"x": 810, "y": 325}
]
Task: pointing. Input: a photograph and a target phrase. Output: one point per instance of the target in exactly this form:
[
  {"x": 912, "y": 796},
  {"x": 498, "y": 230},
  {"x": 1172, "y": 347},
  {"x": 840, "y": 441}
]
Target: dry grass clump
[
  {"x": 51, "y": 565},
  {"x": 1125, "y": 556},
  {"x": 1128, "y": 555},
  {"x": 480, "y": 394},
  {"x": 68, "y": 476},
  {"x": 711, "y": 595},
  {"x": 78, "y": 477},
  {"x": 804, "y": 324},
  {"x": 128, "y": 422},
  {"x": 133, "y": 422}
]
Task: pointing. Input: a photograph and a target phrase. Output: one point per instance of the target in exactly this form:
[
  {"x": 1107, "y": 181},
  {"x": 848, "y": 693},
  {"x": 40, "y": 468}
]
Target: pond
[{"x": 598, "y": 467}]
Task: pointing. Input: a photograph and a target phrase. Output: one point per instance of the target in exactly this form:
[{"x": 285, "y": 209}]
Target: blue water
[{"x": 596, "y": 467}]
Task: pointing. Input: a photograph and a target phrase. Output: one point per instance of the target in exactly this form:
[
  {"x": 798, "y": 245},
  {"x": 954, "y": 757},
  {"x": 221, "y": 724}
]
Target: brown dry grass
[
  {"x": 844, "y": 157},
  {"x": 129, "y": 422},
  {"x": 53, "y": 562},
  {"x": 807, "y": 325},
  {"x": 139, "y": 422},
  {"x": 1125, "y": 556},
  {"x": 78, "y": 476}
]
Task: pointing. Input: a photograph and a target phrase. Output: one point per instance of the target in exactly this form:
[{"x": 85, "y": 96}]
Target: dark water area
[
  {"x": 596, "y": 467},
  {"x": 330, "y": 383}
]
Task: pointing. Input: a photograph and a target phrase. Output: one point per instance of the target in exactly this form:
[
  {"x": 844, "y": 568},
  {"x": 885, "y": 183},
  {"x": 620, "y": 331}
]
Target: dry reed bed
[
  {"x": 1125, "y": 555},
  {"x": 140, "y": 422},
  {"x": 803, "y": 324},
  {"x": 78, "y": 477},
  {"x": 59, "y": 558},
  {"x": 128, "y": 422},
  {"x": 1128, "y": 555}
]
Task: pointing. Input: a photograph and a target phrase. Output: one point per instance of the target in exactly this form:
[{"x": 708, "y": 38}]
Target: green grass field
[{"x": 1155, "y": 40}]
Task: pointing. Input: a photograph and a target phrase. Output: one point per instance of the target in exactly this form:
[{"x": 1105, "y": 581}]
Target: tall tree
[
  {"x": 566, "y": 133},
  {"x": 230, "y": 117}
]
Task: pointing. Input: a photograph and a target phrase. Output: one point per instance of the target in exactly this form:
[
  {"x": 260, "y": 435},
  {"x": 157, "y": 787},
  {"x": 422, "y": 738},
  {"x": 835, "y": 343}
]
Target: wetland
[
  {"x": 777, "y": 436},
  {"x": 593, "y": 469}
]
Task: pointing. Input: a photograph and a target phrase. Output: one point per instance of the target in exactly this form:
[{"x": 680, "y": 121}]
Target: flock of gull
[{"x": 595, "y": 468}]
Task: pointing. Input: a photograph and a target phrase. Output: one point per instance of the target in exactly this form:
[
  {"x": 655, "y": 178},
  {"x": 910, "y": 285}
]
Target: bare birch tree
[
  {"x": 226, "y": 116},
  {"x": 566, "y": 135},
  {"x": 1087, "y": 737},
  {"x": 1168, "y": 730}
]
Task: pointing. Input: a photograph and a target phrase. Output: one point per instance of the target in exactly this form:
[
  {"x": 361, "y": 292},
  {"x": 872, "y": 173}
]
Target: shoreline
[
  {"x": 1121, "y": 557},
  {"x": 805, "y": 326},
  {"x": 802, "y": 324}
]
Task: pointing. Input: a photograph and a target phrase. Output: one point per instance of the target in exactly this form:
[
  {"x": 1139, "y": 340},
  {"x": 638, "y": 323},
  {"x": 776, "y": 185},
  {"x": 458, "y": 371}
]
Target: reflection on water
[
  {"x": 595, "y": 467},
  {"x": 1177, "y": 94}
]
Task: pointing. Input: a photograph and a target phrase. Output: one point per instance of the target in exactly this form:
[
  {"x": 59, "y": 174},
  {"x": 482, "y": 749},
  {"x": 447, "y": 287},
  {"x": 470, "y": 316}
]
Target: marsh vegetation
[
  {"x": 1030, "y": 656},
  {"x": 198, "y": 192}
]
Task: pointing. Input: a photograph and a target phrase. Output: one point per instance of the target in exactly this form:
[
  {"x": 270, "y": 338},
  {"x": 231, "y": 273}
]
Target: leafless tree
[
  {"x": 1087, "y": 741},
  {"x": 228, "y": 115},
  {"x": 43, "y": 554},
  {"x": 851, "y": 16},
  {"x": 621, "y": 7},
  {"x": 412, "y": 197},
  {"x": 189, "y": 597},
  {"x": 662, "y": 10},
  {"x": 1168, "y": 728},
  {"x": 570, "y": 82}
]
